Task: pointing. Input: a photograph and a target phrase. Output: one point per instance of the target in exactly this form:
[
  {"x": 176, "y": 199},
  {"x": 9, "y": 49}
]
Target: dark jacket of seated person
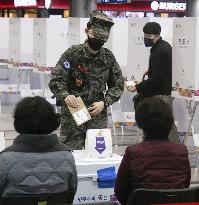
[
  {"x": 155, "y": 163},
  {"x": 37, "y": 163}
]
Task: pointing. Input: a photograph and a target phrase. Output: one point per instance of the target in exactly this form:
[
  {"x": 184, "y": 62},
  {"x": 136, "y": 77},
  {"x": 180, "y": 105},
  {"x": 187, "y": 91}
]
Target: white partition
[
  {"x": 109, "y": 43},
  {"x": 138, "y": 54},
  {"x": 73, "y": 31},
  {"x": 185, "y": 72},
  {"x": 2, "y": 141},
  {"x": 83, "y": 26},
  {"x": 4, "y": 40},
  {"x": 120, "y": 40},
  {"x": 50, "y": 41},
  {"x": 21, "y": 40}
]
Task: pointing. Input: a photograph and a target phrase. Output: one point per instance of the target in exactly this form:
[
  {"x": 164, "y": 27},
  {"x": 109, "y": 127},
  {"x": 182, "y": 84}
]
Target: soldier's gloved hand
[
  {"x": 96, "y": 108},
  {"x": 71, "y": 101}
]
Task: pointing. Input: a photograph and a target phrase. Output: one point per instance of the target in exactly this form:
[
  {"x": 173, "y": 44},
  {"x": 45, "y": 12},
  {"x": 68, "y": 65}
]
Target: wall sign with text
[{"x": 171, "y": 6}]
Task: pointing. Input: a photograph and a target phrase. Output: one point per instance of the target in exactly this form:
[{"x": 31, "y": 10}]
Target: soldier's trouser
[
  {"x": 74, "y": 136},
  {"x": 173, "y": 135}
]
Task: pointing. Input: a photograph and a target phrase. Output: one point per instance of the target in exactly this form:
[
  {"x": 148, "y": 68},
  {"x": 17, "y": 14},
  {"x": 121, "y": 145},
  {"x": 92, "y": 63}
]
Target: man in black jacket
[{"x": 159, "y": 73}]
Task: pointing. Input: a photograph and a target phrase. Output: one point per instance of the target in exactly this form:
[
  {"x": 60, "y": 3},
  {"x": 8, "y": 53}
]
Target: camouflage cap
[{"x": 100, "y": 25}]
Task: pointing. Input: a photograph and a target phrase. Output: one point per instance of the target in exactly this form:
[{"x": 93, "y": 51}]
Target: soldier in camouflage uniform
[{"x": 84, "y": 70}]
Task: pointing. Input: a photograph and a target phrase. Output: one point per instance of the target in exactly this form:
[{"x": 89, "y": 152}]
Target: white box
[
  {"x": 185, "y": 61},
  {"x": 98, "y": 143},
  {"x": 21, "y": 41},
  {"x": 87, "y": 190},
  {"x": 4, "y": 40}
]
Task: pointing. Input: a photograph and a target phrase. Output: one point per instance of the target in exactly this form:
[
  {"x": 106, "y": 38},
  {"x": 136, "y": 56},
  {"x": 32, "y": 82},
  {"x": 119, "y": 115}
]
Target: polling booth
[
  {"x": 185, "y": 81},
  {"x": 20, "y": 42},
  {"x": 118, "y": 41},
  {"x": 97, "y": 167},
  {"x": 4, "y": 41},
  {"x": 76, "y": 34},
  {"x": 50, "y": 40},
  {"x": 18, "y": 52},
  {"x": 138, "y": 54},
  {"x": 185, "y": 73}
]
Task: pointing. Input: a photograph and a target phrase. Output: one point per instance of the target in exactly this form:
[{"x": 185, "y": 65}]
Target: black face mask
[{"x": 95, "y": 44}]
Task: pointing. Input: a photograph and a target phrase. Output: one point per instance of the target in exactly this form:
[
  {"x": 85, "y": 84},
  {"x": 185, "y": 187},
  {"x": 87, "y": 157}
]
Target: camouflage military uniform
[{"x": 82, "y": 74}]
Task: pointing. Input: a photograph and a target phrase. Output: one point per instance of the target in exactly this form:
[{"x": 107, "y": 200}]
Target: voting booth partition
[
  {"x": 4, "y": 41},
  {"x": 185, "y": 62}
]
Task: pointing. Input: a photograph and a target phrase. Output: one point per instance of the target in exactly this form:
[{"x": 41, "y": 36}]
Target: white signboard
[
  {"x": 50, "y": 41},
  {"x": 185, "y": 74},
  {"x": 21, "y": 41},
  {"x": 138, "y": 54},
  {"x": 4, "y": 40}
]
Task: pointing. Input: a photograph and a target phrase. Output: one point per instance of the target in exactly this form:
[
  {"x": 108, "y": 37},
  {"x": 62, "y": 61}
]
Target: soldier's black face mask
[{"x": 95, "y": 44}]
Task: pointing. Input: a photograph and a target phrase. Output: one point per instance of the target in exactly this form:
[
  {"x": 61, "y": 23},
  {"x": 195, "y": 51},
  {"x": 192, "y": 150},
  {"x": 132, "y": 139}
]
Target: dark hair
[
  {"x": 35, "y": 115},
  {"x": 152, "y": 28},
  {"x": 154, "y": 117}
]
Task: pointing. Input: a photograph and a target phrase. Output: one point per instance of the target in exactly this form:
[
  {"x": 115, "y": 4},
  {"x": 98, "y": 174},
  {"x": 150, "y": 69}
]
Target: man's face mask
[
  {"x": 96, "y": 40},
  {"x": 95, "y": 44},
  {"x": 149, "y": 40}
]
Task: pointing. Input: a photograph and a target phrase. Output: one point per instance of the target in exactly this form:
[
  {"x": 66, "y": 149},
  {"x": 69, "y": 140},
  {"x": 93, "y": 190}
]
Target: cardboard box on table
[
  {"x": 90, "y": 160},
  {"x": 185, "y": 61},
  {"x": 21, "y": 43},
  {"x": 4, "y": 41}
]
